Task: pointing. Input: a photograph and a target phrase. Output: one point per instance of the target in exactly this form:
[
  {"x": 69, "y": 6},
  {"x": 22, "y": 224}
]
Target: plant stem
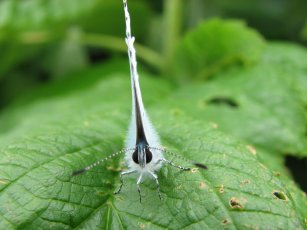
[
  {"x": 98, "y": 40},
  {"x": 114, "y": 43},
  {"x": 172, "y": 28}
]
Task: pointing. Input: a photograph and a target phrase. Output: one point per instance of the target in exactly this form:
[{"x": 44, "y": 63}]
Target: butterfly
[{"x": 144, "y": 154}]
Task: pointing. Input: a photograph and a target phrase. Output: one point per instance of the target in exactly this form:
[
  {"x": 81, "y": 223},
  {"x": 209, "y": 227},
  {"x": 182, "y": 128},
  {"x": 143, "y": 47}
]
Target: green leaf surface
[
  {"x": 60, "y": 134},
  {"x": 214, "y": 45},
  {"x": 15, "y": 125},
  {"x": 290, "y": 59},
  {"x": 276, "y": 163},
  {"x": 263, "y": 104}
]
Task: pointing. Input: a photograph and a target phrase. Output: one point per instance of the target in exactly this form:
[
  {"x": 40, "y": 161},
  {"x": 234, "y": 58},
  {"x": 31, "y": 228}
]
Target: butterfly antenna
[
  {"x": 199, "y": 165},
  {"x": 80, "y": 171}
]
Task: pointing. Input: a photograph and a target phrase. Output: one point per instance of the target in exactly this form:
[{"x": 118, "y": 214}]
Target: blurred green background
[{"x": 43, "y": 41}]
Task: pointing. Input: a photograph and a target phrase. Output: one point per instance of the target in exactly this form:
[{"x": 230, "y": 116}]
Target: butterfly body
[
  {"x": 141, "y": 135},
  {"x": 143, "y": 151}
]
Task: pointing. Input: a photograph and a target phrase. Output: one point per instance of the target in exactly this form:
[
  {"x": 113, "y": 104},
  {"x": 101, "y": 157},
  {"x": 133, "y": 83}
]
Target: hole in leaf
[
  {"x": 280, "y": 195},
  {"x": 235, "y": 203},
  {"x": 223, "y": 101},
  {"x": 298, "y": 170},
  {"x": 225, "y": 222}
]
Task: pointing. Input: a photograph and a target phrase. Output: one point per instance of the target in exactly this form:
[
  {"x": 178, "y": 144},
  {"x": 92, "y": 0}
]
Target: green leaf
[
  {"x": 276, "y": 163},
  {"x": 88, "y": 123},
  {"x": 11, "y": 119},
  {"x": 263, "y": 104},
  {"x": 290, "y": 59},
  {"x": 214, "y": 45}
]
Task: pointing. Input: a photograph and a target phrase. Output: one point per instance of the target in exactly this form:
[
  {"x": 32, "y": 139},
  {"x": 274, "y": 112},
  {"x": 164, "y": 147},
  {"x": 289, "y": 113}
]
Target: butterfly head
[{"x": 142, "y": 155}]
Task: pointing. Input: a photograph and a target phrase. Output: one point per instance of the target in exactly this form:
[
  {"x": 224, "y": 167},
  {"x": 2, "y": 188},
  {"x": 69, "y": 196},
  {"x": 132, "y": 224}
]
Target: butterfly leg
[
  {"x": 138, "y": 186},
  {"x": 157, "y": 182},
  {"x": 122, "y": 180}
]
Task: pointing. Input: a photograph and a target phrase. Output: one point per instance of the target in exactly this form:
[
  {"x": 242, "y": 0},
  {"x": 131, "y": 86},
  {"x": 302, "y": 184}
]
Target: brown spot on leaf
[
  {"x": 225, "y": 222},
  {"x": 244, "y": 182},
  {"x": 277, "y": 173},
  {"x": 222, "y": 190},
  {"x": 194, "y": 170},
  {"x": 202, "y": 185},
  {"x": 142, "y": 226},
  {"x": 235, "y": 203}
]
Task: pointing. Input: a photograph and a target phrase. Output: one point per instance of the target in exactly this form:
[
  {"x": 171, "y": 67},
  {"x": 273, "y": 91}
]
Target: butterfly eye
[
  {"x": 135, "y": 156},
  {"x": 148, "y": 156}
]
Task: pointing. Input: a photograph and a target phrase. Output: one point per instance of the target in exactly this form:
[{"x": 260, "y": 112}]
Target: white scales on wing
[{"x": 143, "y": 152}]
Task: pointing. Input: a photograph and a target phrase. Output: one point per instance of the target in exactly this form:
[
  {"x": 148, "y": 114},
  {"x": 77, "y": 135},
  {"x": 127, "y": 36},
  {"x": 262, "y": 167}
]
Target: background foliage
[{"x": 225, "y": 83}]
